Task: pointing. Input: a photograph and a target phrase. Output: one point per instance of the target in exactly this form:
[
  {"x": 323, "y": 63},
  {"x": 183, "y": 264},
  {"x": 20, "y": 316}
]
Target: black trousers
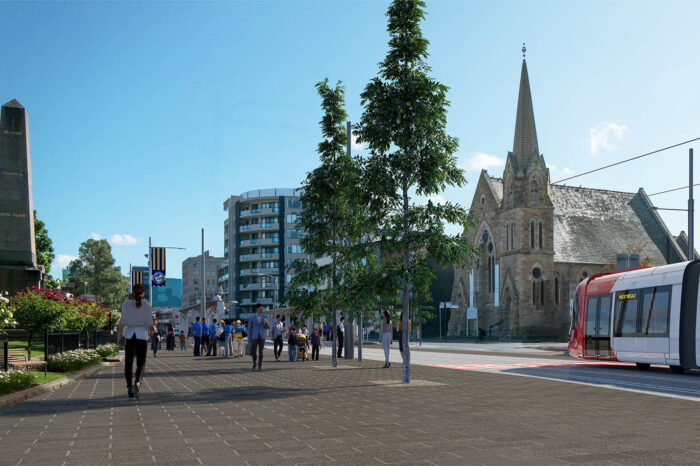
[
  {"x": 314, "y": 352},
  {"x": 197, "y": 345},
  {"x": 205, "y": 343},
  {"x": 279, "y": 344},
  {"x": 138, "y": 348},
  {"x": 340, "y": 344},
  {"x": 259, "y": 345},
  {"x": 213, "y": 343}
]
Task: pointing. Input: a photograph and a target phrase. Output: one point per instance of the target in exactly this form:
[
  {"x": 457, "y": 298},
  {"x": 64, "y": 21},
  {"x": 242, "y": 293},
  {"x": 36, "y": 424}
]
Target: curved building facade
[{"x": 260, "y": 241}]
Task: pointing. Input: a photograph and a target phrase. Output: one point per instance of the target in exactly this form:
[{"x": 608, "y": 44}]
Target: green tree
[
  {"x": 95, "y": 266},
  {"x": 331, "y": 219},
  {"x": 44, "y": 251},
  {"x": 403, "y": 124},
  {"x": 37, "y": 311}
]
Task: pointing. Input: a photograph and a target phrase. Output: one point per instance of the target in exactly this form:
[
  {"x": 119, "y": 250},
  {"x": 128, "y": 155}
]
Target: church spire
[{"x": 525, "y": 140}]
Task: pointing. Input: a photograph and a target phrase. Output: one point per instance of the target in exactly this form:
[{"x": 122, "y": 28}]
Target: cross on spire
[{"x": 524, "y": 49}]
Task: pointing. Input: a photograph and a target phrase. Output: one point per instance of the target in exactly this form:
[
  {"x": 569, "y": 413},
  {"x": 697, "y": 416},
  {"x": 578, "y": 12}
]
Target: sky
[{"x": 144, "y": 117}]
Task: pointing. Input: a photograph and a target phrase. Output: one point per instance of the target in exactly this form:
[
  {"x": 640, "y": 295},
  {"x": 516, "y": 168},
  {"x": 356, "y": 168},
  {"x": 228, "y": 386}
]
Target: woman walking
[
  {"x": 134, "y": 326},
  {"x": 155, "y": 338},
  {"x": 387, "y": 337}
]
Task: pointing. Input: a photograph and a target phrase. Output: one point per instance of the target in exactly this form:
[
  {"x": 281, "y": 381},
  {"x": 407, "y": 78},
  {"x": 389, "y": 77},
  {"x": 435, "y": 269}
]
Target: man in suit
[
  {"x": 257, "y": 330},
  {"x": 197, "y": 334},
  {"x": 341, "y": 335}
]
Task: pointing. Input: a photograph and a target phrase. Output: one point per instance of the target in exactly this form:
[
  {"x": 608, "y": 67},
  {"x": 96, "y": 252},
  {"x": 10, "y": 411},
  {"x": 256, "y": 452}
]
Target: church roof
[
  {"x": 525, "y": 139},
  {"x": 13, "y": 104},
  {"x": 591, "y": 226}
]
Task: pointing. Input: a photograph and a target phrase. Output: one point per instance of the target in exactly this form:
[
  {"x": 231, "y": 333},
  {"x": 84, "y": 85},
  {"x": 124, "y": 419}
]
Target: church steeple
[{"x": 525, "y": 140}]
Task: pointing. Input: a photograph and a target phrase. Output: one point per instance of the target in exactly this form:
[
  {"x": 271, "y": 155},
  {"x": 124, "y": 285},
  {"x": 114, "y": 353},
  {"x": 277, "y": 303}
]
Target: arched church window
[
  {"x": 507, "y": 231},
  {"x": 483, "y": 200},
  {"x": 512, "y": 226},
  {"x": 556, "y": 290},
  {"x": 532, "y": 234},
  {"x": 540, "y": 234},
  {"x": 510, "y": 192},
  {"x": 533, "y": 189},
  {"x": 534, "y": 292},
  {"x": 542, "y": 292}
]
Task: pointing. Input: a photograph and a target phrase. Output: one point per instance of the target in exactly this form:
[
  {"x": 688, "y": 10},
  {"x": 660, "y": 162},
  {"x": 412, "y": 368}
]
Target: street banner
[
  {"x": 136, "y": 277},
  {"x": 158, "y": 266}
]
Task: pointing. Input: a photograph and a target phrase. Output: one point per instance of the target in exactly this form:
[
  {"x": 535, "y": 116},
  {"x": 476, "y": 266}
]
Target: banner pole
[{"x": 150, "y": 273}]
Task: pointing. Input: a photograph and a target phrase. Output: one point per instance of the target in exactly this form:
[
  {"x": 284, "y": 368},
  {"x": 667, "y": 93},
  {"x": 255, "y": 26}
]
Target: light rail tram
[{"x": 645, "y": 316}]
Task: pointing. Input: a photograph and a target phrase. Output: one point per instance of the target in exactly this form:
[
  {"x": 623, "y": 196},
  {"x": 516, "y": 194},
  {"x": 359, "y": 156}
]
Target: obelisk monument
[{"x": 18, "y": 267}]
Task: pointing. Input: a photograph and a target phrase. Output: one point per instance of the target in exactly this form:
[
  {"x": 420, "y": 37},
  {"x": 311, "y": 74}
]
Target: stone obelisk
[{"x": 18, "y": 267}]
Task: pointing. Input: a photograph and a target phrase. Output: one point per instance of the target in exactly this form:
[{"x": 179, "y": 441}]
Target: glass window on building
[
  {"x": 294, "y": 249},
  {"x": 294, "y": 203},
  {"x": 292, "y": 218}
]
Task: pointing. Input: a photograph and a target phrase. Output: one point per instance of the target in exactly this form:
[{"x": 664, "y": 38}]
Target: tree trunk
[
  {"x": 29, "y": 346},
  {"x": 404, "y": 300},
  {"x": 359, "y": 341}
]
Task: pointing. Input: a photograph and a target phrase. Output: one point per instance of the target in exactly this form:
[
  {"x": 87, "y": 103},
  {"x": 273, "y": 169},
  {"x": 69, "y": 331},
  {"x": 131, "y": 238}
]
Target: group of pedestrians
[{"x": 227, "y": 338}]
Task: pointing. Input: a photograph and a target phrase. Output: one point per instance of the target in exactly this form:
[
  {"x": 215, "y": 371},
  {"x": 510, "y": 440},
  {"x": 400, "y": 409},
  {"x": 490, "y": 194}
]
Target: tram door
[{"x": 597, "y": 335}]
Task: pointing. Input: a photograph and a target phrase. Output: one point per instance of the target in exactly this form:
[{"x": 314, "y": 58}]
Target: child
[
  {"x": 292, "y": 344},
  {"x": 181, "y": 336},
  {"x": 315, "y": 345},
  {"x": 302, "y": 347}
]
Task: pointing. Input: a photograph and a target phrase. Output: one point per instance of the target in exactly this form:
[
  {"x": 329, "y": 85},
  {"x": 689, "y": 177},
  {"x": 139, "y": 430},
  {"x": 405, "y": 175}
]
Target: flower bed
[
  {"x": 108, "y": 349},
  {"x": 15, "y": 380},
  {"x": 73, "y": 360}
]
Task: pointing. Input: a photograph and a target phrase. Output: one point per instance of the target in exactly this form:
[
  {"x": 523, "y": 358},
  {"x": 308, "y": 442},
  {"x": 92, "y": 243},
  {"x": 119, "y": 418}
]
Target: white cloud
[
  {"x": 605, "y": 135},
  {"x": 123, "y": 240},
  {"x": 554, "y": 170},
  {"x": 437, "y": 199},
  {"x": 483, "y": 161},
  {"x": 62, "y": 260},
  {"x": 95, "y": 236},
  {"x": 354, "y": 144}
]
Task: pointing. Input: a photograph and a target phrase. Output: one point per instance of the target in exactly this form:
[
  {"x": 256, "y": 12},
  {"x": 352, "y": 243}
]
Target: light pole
[{"x": 85, "y": 293}]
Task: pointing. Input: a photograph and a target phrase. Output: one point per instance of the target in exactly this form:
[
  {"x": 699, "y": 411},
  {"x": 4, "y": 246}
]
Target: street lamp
[{"x": 85, "y": 283}]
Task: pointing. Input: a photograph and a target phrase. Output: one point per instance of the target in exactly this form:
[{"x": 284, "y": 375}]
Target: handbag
[{"x": 245, "y": 334}]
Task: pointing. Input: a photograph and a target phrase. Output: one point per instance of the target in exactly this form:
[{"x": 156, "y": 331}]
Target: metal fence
[{"x": 59, "y": 342}]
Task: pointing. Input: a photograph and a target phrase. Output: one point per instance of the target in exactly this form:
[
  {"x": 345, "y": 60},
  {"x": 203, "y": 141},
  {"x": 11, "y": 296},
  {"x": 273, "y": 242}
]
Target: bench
[{"x": 17, "y": 357}]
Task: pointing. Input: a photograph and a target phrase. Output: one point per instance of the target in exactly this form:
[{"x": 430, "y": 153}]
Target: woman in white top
[
  {"x": 387, "y": 336},
  {"x": 135, "y": 327}
]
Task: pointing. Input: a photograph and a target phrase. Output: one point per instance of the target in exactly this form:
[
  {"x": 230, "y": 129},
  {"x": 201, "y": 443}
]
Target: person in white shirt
[{"x": 135, "y": 327}]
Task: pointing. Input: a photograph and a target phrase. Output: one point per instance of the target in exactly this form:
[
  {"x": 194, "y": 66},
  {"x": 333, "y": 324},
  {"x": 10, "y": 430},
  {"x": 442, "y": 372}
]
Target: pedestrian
[
  {"x": 155, "y": 338},
  {"x": 197, "y": 335},
  {"x": 326, "y": 331},
  {"x": 399, "y": 329},
  {"x": 302, "y": 347},
  {"x": 276, "y": 332},
  {"x": 238, "y": 335},
  {"x": 387, "y": 337},
  {"x": 257, "y": 329},
  {"x": 341, "y": 335},
  {"x": 170, "y": 342},
  {"x": 228, "y": 334},
  {"x": 134, "y": 327},
  {"x": 315, "y": 344},
  {"x": 305, "y": 330},
  {"x": 212, "y": 338},
  {"x": 183, "y": 344},
  {"x": 205, "y": 337},
  {"x": 292, "y": 344}
]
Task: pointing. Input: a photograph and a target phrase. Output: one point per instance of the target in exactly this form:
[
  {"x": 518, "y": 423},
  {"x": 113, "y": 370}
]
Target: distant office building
[
  {"x": 168, "y": 296},
  {"x": 260, "y": 240},
  {"x": 192, "y": 278}
]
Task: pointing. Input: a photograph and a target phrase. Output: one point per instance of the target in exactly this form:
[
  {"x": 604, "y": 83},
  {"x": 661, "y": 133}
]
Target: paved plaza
[{"x": 217, "y": 411}]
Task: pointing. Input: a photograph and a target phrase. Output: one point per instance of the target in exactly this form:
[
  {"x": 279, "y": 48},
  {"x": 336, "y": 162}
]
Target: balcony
[
  {"x": 223, "y": 278},
  {"x": 249, "y": 272},
  {"x": 256, "y": 286},
  {"x": 260, "y": 226},
  {"x": 269, "y": 255},
  {"x": 260, "y": 241},
  {"x": 248, "y": 257},
  {"x": 252, "y": 212}
]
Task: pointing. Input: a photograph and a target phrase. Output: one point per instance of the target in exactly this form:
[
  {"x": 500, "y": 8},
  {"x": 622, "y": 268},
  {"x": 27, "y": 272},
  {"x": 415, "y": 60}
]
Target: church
[{"x": 539, "y": 240}]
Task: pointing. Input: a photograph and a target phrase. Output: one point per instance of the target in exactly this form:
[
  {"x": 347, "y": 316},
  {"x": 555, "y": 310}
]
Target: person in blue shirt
[
  {"x": 212, "y": 338},
  {"x": 205, "y": 337},
  {"x": 228, "y": 344},
  {"x": 197, "y": 334}
]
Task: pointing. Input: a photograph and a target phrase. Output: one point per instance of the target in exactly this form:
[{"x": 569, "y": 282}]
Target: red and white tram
[{"x": 646, "y": 316}]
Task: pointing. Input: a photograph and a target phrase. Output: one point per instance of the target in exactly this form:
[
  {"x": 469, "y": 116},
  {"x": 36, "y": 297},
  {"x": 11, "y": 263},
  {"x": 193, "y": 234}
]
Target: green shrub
[
  {"x": 15, "y": 380},
  {"x": 107, "y": 349},
  {"x": 72, "y": 360}
]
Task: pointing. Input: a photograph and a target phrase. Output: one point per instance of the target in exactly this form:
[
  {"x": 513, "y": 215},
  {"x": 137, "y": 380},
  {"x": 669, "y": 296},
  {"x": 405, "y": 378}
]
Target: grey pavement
[{"x": 217, "y": 411}]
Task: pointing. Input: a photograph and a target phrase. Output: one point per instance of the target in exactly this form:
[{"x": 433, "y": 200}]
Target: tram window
[
  {"x": 604, "y": 325},
  {"x": 655, "y": 311},
  {"x": 591, "y": 314},
  {"x": 627, "y": 313}
]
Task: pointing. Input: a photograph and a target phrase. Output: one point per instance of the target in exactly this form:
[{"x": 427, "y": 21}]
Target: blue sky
[{"x": 144, "y": 117}]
